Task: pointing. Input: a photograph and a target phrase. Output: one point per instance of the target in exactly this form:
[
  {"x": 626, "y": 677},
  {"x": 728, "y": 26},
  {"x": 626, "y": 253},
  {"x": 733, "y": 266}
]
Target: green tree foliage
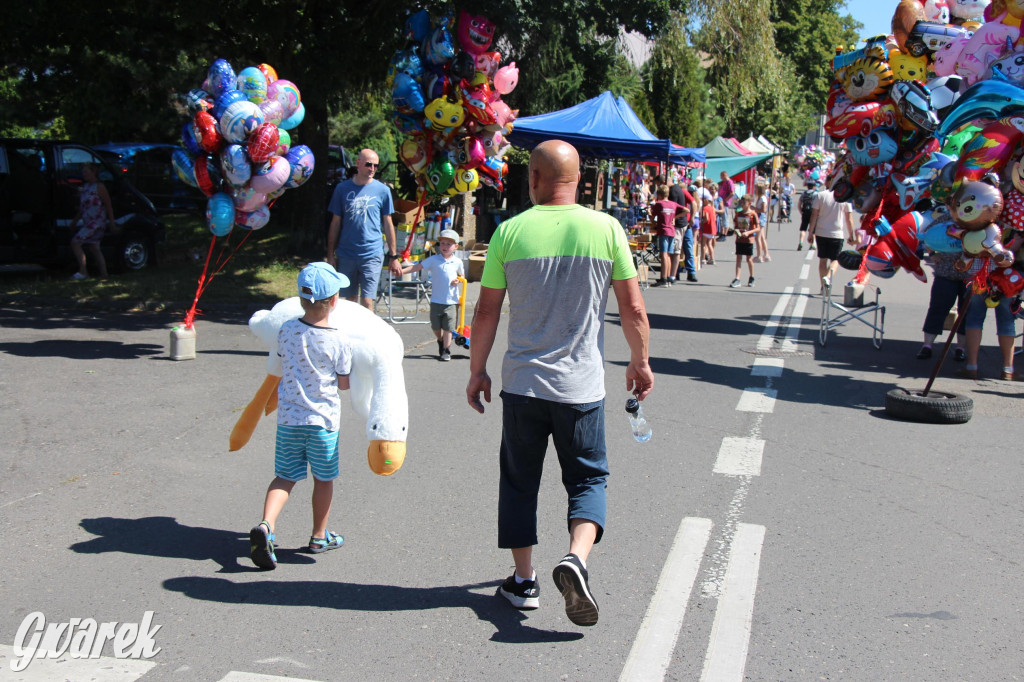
[{"x": 684, "y": 110}]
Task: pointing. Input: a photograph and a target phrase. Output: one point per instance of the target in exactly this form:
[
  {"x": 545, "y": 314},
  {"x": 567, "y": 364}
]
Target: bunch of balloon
[
  {"x": 237, "y": 150},
  {"x": 932, "y": 120},
  {"x": 446, "y": 93}
]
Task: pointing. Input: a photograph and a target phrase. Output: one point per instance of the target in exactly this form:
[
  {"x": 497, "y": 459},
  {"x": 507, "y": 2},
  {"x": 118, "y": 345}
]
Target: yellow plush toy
[{"x": 906, "y": 67}]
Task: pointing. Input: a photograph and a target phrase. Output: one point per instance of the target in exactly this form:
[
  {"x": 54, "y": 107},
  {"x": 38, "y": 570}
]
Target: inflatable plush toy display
[{"x": 376, "y": 384}]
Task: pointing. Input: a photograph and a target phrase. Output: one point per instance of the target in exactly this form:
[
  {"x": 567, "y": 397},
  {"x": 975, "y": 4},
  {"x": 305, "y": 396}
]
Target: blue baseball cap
[{"x": 321, "y": 279}]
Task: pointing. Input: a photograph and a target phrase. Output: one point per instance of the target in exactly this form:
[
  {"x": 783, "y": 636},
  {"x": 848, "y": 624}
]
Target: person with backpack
[{"x": 806, "y": 206}]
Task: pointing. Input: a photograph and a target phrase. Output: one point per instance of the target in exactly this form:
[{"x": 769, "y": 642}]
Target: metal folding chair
[
  {"x": 386, "y": 292},
  {"x": 851, "y": 310}
]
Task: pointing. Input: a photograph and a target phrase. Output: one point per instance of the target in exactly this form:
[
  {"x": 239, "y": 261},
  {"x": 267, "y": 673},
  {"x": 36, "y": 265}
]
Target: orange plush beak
[{"x": 385, "y": 457}]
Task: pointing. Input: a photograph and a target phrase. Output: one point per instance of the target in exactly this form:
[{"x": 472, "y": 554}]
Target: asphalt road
[{"x": 832, "y": 543}]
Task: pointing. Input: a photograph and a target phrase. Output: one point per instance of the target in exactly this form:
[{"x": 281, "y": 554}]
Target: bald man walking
[{"x": 556, "y": 261}]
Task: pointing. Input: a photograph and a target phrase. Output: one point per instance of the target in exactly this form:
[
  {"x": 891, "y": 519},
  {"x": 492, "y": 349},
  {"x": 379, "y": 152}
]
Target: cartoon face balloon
[
  {"x": 240, "y": 119},
  {"x": 1009, "y": 68},
  {"x": 976, "y": 204},
  {"x": 475, "y": 32},
  {"x": 476, "y": 102},
  {"x": 487, "y": 63},
  {"x": 440, "y": 175},
  {"x": 868, "y": 77},
  {"x": 444, "y": 112},
  {"x": 936, "y": 10},
  {"x": 506, "y": 79},
  {"x": 873, "y": 149},
  {"x": 414, "y": 153},
  {"x": 225, "y": 101},
  {"x": 465, "y": 180},
  {"x": 471, "y": 154},
  {"x": 968, "y": 9}
]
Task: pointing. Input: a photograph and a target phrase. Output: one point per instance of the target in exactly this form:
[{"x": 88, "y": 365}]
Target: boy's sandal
[
  {"x": 261, "y": 546},
  {"x": 325, "y": 544}
]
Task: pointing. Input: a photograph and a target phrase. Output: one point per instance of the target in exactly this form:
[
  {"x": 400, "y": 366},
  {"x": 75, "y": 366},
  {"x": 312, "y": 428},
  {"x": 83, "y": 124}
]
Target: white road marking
[
  {"x": 730, "y": 633},
  {"x": 739, "y": 456},
  {"x": 655, "y": 642},
  {"x": 102, "y": 669},
  {"x": 810, "y": 254},
  {"x": 256, "y": 677},
  {"x": 789, "y": 343},
  {"x": 768, "y": 335},
  {"x": 804, "y": 271},
  {"x": 767, "y": 367},
  {"x": 757, "y": 399}
]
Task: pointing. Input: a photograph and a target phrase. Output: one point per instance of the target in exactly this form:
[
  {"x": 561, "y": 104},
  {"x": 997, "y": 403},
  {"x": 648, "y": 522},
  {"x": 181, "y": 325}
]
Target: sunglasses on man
[{"x": 369, "y": 164}]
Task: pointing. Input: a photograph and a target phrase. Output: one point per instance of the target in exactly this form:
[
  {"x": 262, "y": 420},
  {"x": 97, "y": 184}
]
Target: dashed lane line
[
  {"x": 655, "y": 642},
  {"x": 730, "y": 632}
]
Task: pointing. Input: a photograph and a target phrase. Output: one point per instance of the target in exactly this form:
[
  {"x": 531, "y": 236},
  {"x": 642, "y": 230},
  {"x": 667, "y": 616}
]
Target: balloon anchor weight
[
  {"x": 928, "y": 406},
  {"x": 183, "y": 343}
]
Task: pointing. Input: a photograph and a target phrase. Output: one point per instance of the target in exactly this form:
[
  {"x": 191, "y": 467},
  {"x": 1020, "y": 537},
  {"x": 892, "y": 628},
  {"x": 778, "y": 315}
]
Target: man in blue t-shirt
[{"x": 361, "y": 211}]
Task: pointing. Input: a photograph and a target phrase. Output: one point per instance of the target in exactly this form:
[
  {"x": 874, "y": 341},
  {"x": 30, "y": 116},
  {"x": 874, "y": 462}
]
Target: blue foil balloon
[
  {"x": 235, "y": 165},
  {"x": 935, "y": 238},
  {"x": 188, "y": 140},
  {"x": 221, "y": 78},
  {"x": 984, "y": 99},
  {"x": 184, "y": 166},
  {"x": 407, "y": 95},
  {"x": 220, "y": 214},
  {"x": 253, "y": 84},
  {"x": 225, "y": 101},
  {"x": 295, "y": 119},
  {"x": 302, "y": 162}
]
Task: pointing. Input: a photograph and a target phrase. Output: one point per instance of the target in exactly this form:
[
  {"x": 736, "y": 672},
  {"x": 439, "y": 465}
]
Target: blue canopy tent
[{"x": 604, "y": 127}]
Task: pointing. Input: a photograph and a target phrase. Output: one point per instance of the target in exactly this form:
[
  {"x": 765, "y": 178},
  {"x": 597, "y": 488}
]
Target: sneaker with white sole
[
  {"x": 78, "y": 277},
  {"x": 735, "y": 284},
  {"x": 524, "y": 596},
  {"x": 573, "y": 582}
]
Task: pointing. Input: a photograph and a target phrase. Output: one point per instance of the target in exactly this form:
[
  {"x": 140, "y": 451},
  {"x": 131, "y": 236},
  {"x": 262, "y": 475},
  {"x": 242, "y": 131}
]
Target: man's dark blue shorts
[{"x": 578, "y": 435}]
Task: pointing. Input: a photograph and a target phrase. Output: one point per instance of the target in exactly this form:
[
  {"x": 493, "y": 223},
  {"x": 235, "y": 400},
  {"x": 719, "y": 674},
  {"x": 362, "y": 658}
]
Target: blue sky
[{"x": 876, "y": 15}]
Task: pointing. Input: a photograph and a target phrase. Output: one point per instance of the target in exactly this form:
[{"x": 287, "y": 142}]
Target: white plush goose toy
[{"x": 376, "y": 384}]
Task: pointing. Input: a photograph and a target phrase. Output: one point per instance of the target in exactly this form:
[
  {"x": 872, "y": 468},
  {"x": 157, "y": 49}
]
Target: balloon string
[
  {"x": 221, "y": 263},
  {"x": 421, "y": 201},
  {"x": 190, "y": 316},
  {"x": 205, "y": 280}
]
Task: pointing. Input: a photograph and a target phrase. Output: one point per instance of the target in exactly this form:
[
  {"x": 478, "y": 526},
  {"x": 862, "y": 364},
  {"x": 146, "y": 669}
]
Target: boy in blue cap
[{"x": 316, "y": 362}]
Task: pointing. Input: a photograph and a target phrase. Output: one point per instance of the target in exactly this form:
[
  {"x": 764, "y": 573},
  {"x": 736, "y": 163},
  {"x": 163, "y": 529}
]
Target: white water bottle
[{"x": 637, "y": 421}]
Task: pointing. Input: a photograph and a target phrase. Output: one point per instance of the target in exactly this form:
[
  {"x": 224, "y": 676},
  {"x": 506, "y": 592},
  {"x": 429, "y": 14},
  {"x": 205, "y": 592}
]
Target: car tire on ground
[
  {"x": 135, "y": 251},
  {"x": 938, "y": 407}
]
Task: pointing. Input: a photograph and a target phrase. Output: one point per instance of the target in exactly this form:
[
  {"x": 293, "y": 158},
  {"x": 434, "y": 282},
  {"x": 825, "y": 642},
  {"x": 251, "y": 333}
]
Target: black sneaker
[
  {"x": 525, "y": 596},
  {"x": 750, "y": 282},
  {"x": 573, "y": 582},
  {"x": 261, "y": 546},
  {"x": 735, "y": 284},
  {"x": 446, "y": 355},
  {"x": 691, "y": 277}
]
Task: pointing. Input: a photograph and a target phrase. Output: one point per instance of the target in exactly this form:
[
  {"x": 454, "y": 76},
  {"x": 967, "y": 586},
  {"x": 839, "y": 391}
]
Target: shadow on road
[
  {"x": 163, "y": 536},
  {"x": 367, "y": 597},
  {"x": 82, "y": 350}
]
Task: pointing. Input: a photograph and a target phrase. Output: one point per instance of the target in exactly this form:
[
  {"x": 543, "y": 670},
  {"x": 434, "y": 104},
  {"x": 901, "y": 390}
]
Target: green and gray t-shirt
[{"x": 557, "y": 264}]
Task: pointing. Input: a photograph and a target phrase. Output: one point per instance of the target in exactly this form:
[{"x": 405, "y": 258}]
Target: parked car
[
  {"x": 39, "y": 185},
  {"x": 148, "y": 168}
]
